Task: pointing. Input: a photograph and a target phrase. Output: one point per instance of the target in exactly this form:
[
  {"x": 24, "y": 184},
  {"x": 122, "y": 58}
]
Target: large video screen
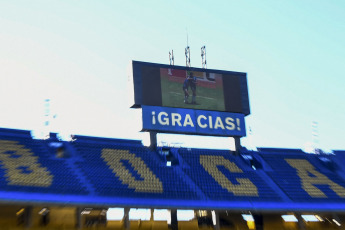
[{"x": 191, "y": 88}]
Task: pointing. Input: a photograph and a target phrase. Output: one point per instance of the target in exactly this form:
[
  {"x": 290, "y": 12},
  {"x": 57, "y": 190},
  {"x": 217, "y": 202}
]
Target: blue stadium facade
[{"x": 124, "y": 173}]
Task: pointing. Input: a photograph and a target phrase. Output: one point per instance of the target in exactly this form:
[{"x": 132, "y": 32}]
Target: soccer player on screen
[
  {"x": 190, "y": 81},
  {"x": 185, "y": 90},
  {"x": 193, "y": 86}
]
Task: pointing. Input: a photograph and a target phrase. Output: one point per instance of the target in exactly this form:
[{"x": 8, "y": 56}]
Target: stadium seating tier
[{"x": 100, "y": 170}]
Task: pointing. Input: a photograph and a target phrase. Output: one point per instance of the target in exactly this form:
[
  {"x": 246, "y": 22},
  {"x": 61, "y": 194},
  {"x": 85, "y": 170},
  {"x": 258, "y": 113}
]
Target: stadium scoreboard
[
  {"x": 188, "y": 100},
  {"x": 161, "y": 85}
]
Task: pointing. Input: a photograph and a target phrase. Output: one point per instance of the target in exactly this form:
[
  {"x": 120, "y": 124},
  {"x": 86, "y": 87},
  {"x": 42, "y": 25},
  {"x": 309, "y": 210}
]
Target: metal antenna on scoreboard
[
  {"x": 171, "y": 57},
  {"x": 203, "y": 57}
]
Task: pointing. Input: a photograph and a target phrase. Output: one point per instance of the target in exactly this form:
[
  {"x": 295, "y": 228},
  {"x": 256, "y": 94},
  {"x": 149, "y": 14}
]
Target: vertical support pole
[
  {"x": 28, "y": 217},
  {"x": 126, "y": 223},
  {"x": 259, "y": 221},
  {"x": 152, "y": 211},
  {"x": 78, "y": 222},
  {"x": 153, "y": 140},
  {"x": 237, "y": 145},
  {"x": 301, "y": 224},
  {"x": 174, "y": 223}
]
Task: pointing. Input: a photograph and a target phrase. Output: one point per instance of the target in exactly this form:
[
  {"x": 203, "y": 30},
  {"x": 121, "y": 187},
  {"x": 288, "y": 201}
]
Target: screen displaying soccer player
[{"x": 192, "y": 89}]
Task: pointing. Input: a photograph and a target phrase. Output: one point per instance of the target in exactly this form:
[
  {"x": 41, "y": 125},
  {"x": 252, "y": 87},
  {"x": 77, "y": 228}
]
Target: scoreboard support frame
[
  {"x": 153, "y": 140},
  {"x": 237, "y": 145}
]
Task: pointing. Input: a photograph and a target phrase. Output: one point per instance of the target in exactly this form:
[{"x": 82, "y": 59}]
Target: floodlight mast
[
  {"x": 187, "y": 54},
  {"x": 203, "y": 57},
  {"x": 171, "y": 57},
  {"x": 315, "y": 136},
  {"x": 46, "y": 132}
]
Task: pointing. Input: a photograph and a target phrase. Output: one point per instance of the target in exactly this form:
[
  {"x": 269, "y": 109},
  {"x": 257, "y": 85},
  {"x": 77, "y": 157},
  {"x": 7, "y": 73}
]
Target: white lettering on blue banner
[{"x": 178, "y": 120}]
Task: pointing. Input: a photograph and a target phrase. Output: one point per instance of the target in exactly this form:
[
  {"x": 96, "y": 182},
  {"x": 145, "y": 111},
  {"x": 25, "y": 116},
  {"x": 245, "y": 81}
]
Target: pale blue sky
[{"x": 77, "y": 54}]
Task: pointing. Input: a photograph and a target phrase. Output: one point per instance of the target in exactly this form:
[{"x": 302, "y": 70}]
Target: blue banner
[{"x": 190, "y": 121}]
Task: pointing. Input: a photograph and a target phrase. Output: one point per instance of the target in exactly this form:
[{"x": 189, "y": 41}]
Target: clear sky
[{"x": 77, "y": 53}]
